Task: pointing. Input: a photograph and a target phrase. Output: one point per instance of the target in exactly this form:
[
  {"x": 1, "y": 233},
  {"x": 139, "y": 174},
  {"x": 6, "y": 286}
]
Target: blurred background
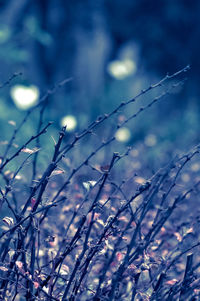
[{"x": 109, "y": 50}]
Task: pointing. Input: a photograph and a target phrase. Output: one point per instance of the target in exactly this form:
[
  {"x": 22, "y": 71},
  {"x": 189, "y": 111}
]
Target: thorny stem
[{"x": 25, "y": 223}]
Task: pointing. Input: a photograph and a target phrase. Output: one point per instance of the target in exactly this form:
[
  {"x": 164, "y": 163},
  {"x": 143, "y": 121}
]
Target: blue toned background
[{"x": 109, "y": 51}]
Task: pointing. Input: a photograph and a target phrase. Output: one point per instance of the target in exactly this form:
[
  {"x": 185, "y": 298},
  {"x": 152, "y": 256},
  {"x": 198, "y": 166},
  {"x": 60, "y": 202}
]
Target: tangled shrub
[{"x": 97, "y": 224}]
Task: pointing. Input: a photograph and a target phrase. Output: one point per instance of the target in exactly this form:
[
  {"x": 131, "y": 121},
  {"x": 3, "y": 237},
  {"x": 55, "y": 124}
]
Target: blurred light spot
[
  {"x": 195, "y": 167},
  {"x": 121, "y": 118},
  {"x": 41, "y": 253},
  {"x": 123, "y": 134},
  {"x": 24, "y": 97},
  {"x": 70, "y": 122},
  {"x": 96, "y": 280},
  {"x": 136, "y": 165},
  {"x": 4, "y": 34},
  {"x": 139, "y": 180},
  {"x": 121, "y": 69},
  {"x": 150, "y": 140},
  {"x": 134, "y": 152},
  {"x": 12, "y": 122},
  {"x": 185, "y": 177}
]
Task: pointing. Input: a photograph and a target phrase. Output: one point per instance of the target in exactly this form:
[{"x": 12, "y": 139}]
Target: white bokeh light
[
  {"x": 120, "y": 69},
  {"x": 123, "y": 134},
  {"x": 70, "y": 122},
  {"x": 150, "y": 140},
  {"x": 24, "y": 97}
]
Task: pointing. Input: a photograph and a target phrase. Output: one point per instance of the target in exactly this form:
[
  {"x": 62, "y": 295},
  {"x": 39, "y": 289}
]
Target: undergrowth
[{"x": 98, "y": 223}]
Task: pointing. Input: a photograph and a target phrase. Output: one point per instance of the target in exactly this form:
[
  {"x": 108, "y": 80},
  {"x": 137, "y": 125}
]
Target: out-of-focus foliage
[
  {"x": 93, "y": 224},
  {"x": 108, "y": 49}
]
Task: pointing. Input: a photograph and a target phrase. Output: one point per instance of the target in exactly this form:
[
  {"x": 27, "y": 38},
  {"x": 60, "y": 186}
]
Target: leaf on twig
[
  {"x": 36, "y": 284},
  {"x": 33, "y": 201},
  {"x": 64, "y": 270},
  {"x": 178, "y": 236},
  {"x": 4, "y": 269},
  {"x": 57, "y": 172},
  {"x": 8, "y": 221},
  {"x": 172, "y": 281},
  {"x": 19, "y": 264},
  {"x": 12, "y": 122},
  {"x": 89, "y": 184},
  {"x": 30, "y": 151}
]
